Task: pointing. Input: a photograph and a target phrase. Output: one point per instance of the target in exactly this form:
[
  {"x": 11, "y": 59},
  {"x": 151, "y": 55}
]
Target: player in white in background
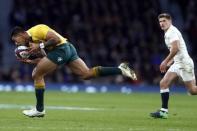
[{"x": 183, "y": 65}]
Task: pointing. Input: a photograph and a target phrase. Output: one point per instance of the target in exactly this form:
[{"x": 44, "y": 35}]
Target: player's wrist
[{"x": 41, "y": 45}]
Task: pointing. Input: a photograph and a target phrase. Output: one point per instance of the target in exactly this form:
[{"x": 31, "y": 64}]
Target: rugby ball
[{"x": 22, "y": 52}]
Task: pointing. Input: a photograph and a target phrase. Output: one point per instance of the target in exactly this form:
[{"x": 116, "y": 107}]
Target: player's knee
[
  {"x": 193, "y": 91},
  {"x": 36, "y": 75}
]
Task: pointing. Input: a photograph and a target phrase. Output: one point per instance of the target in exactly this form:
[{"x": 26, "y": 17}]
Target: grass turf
[{"x": 119, "y": 112}]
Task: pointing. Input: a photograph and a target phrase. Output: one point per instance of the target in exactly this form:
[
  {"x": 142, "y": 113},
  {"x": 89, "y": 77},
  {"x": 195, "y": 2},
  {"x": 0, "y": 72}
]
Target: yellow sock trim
[
  {"x": 39, "y": 85},
  {"x": 96, "y": 70}
]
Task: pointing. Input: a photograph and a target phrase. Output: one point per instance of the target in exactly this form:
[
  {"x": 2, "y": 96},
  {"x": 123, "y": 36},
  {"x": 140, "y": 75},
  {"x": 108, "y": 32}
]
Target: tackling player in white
[{"x": 183, "y": 65}]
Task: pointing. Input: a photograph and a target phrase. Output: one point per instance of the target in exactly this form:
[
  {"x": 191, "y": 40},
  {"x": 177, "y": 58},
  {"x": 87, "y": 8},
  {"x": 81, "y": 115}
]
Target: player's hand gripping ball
[{"x": 22, "y": 52}]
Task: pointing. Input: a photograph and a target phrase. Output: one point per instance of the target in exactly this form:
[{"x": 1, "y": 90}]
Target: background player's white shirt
[{"x": 171, "y": 35}]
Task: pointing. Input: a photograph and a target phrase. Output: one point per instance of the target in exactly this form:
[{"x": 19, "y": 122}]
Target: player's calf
[
  {"x": 86, "y": 74},
  {"x": 164, "y": 84},
  {"x": 99, "y": 71}
]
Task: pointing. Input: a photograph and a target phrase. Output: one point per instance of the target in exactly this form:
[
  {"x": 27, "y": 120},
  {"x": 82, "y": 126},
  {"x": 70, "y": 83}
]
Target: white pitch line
[
  {"x": 56, "y": 128},
  {"x": 15, "y": 106}
]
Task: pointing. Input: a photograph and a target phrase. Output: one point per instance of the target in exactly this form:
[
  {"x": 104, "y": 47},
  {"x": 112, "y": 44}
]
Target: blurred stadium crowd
[{"x": 105, "y": 32}]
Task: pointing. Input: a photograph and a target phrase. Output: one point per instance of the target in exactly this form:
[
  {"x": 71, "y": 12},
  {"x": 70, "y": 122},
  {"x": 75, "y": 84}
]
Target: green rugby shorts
[{"x": 63, "y": 54}]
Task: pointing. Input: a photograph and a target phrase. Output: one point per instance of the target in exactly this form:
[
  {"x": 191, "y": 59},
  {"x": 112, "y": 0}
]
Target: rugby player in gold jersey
[{"x": 59, "y": 51}]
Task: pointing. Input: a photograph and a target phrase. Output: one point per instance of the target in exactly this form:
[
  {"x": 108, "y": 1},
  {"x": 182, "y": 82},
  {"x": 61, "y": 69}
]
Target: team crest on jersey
[{"x": 59, "y": 59}]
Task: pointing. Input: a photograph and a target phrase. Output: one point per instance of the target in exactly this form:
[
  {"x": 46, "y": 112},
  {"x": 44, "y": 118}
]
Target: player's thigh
[
  {"x": 78, "y": 67},
  {"x": 44, "y": 67},
  {"x": 188, "y": 77},
  {"x": 168, "y": 79}
]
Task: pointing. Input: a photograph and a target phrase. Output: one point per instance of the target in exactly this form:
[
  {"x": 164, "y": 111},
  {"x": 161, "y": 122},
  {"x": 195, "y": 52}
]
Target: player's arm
[
  {"x": 28, "y": 61},
  {"x": 51, "y": 40},
  {"x": 170, "y": 63},
  {"x": 173, "y": 51},
  {"x": 44, "y": 33}
]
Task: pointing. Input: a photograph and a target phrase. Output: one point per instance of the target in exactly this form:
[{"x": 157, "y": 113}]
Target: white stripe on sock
[
  {"x": 164, "y": 90},
  {"x": 163, "y": 109}
]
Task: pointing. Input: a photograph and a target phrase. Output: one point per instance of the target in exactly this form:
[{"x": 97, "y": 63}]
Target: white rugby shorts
[{"x": 185, "y": 69}]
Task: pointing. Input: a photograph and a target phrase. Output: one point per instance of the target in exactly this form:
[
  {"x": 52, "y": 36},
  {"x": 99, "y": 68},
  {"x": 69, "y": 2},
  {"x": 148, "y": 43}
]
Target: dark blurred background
[{"x": 105, "y": 32}]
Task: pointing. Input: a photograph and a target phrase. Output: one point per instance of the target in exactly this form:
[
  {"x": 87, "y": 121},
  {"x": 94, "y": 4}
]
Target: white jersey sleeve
[{"x": 171, "y": 35}]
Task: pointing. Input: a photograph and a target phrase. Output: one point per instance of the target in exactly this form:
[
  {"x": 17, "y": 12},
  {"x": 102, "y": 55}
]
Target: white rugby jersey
[{"x": 171, "y": 35}]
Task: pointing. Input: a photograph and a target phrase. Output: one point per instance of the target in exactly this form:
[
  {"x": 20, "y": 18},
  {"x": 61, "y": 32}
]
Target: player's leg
[
  {"x": 165, "y": 83},
  {"x": 191, "y": 86},
  {"x": 164, "y": 91},
  {"x": 44, "y": 67},
  {"x": 79, "y": 67},
  {"x": 188, "y": 76}
]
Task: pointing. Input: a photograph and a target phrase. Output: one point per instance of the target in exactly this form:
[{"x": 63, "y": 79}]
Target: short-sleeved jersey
[
  {"x": 173, "y": 34},
  {"x": 39, "y": 32}
]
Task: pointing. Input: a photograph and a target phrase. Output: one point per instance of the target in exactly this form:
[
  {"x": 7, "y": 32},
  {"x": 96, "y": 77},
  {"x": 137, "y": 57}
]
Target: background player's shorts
[
  {"x": 184, "y": 70},
  {"x": 63, "y": 54}
]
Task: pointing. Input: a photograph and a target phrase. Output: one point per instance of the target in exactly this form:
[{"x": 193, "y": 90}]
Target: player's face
[
  {"x": 21, "y": 39},
  {"x": 164, "y": 23}
]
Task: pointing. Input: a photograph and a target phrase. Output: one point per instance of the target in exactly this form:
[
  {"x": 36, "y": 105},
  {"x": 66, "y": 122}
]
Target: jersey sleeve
[
  {"x": 41, "y": 31},
  {"x": 173, "y": 36}
]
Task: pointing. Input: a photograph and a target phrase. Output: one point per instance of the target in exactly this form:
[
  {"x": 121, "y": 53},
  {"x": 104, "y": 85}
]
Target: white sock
[
  {"x": 163, "y": 109},
  {"x": 164, "y": 90}
]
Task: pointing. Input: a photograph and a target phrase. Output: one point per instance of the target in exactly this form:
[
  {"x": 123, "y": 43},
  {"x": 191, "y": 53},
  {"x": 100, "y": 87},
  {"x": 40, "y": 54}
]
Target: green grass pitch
[{"x": 114, "y": 112}]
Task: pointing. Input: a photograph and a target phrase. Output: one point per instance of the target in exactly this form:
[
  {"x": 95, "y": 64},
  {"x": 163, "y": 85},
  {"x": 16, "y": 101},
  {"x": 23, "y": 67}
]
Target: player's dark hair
[
  {"x": 16, "y": 30},
  {"x": 165, "y": 15}
]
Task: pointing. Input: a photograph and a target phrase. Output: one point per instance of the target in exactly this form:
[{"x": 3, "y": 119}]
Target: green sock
[
  {"x": 39, "y": 99},
  {"x": 107, "y": 71}
]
